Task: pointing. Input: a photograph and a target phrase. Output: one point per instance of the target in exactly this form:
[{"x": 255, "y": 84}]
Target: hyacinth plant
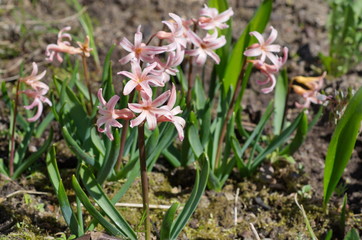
[{"x": 121, "y": 135}]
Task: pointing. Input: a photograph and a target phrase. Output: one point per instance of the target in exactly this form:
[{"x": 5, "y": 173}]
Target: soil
[{"x": 266, "y": 199}]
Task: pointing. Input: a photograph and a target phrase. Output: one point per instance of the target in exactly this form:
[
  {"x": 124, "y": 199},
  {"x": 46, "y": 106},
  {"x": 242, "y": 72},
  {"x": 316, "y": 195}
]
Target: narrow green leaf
[
  {"x": 111, "y": 160},
  {"x": 107, "y": 81},
  {"x": 341, "y": 145},
  {"x": 95, "y": 190},
  {"x": 67, "y": 211},
  {"x": 44, "y": 124},
  {"x": 57, "y": 183},
  {"x": 329, "y": 235},
  {"x": 352, "y": 235},
  {"x": 276, "y": 142},
  {"x": 167, "y": 222},
  {"x": 76, "y": 149},
  {"x": 110, "y": 228},
  {"x": 195, "y": 142},
  {"x": 196, "y": 194},
  {"x": 35, "y": 156},
  {"x": 299, "y": 137},
  {"x": 280, "y": 96},
  {"x": 234, "y": 65},
  {"x": 258, "y": 129}
]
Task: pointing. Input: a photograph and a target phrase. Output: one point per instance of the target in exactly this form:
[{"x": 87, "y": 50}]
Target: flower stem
[
  {"x": 189, "y": 84},
  {"x": 86, "y": 79},
  {"x": 123, "y": 138},
  {"x": 12, "y": 147},
  {"x": 229, "y": 113},
  {"x": 144, "y": 180}
]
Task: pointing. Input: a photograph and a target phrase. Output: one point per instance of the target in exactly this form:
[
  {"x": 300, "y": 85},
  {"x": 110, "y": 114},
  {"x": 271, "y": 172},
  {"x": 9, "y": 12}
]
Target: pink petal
[
  {"x": 273, "y": 35},
  {"x": 258, "y": 36},
  {"x": 129, "y": 87},
  {"x": 161, "y": 99},
  {"x": 151, "y": 120},
  {"x": 138, "y": 120},
  {"x": 112, "y": 102},
  {"x": 100, "y": 97}
]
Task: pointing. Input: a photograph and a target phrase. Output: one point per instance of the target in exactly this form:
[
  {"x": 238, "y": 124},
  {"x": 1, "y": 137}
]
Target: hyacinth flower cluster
[
  {"x": 64, "y": 46},
  {"x": 266, "y": 50},
  {"x": 309, "y": 88},
  {"x": 37, "y": 92},
  {"x": 153, "y": 66}
]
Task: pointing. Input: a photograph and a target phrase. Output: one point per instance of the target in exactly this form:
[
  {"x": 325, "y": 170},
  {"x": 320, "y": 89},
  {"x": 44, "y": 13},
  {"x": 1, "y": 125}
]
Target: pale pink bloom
[
  {"x": 169, "y": 67},
  {"x": 205, "y": 47},
  {"x": 84, "y": 47},
  {"x": 139, "y": 51},
  {"x": 264, "y": 48},
  {"x": 211, "y": 19},
  {"x": 109, "y": 115},
  {"x": 176, "y": 36},
  {"x": 269, "y": 70},
  {"x": 312, "y": 94},
  {"x": 38, "y": 101},
  {"x": 179, "y": 122},
  {"x": 149, "y": 110},
  {"x": 141, "y": 80},
  {"x": 62, "y": 46},
  {"x": 34, "y": 80}
]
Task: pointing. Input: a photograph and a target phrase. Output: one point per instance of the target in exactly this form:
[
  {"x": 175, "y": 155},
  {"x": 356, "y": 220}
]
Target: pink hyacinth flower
[
  {"x": 168, "y": 68},
  {"x": 179, "y": 122},
  {"x": 141, "y": 80},
  {"x": 62, "y": 46},
  {"x": 211, "y": 19},
  {"x": 109, "y": 115},
  {"x": 38, "y": 101},
  {"x": 149, "y": 110},
  {"x": 264, "y": 48},
  {"x": 139, "y": 51},
  {"x": 269, "y": 70},
  {"x": 34, "y": 80},
  {"x": 205, "y": 47},
  {"x": 176, "y": 36}
]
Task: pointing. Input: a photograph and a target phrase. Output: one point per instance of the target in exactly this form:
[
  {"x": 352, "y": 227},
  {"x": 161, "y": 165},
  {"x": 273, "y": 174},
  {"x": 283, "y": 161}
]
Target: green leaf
[
  {"x": 196, "y": 194},
  {"x": 280, "y": 97},
  {"x": 199, "y": 94},
  {"x": 299, "y": 136},
  {"x": 44, "y": 124},
  {"x": 195, "y": 142},
  {"x": 258, "y": 23},
  {"x": 111, "y": 160},
  {"x": 341, "y": 145},
  {"x": 76, "y": 149},
  {"x": 110, "y": 228},
  {"x": 57, "y": 183},
  {"x": 167, "y": 222},
  {"x": 276, "y": 142},
  {"x": 258, "y": 129},
  {"x": 95, "y": 190},
  {"x": 68, "y": 214},
  {"x": 107, "y": 81},
  {"x": 352, "y": 235},
  {"x": 35, "y": 156},
  {"x": 329, "y": 235}
]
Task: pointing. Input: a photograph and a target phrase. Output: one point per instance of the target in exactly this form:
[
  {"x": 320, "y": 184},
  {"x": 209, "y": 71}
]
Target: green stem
[
  {"x": 123, "y": 137},
  {"x": 229, "y": 113},
  {"x": 12, "y": 147},
  {"x": 87, "y": 82},
  {"x": 144, "y": 179}
]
